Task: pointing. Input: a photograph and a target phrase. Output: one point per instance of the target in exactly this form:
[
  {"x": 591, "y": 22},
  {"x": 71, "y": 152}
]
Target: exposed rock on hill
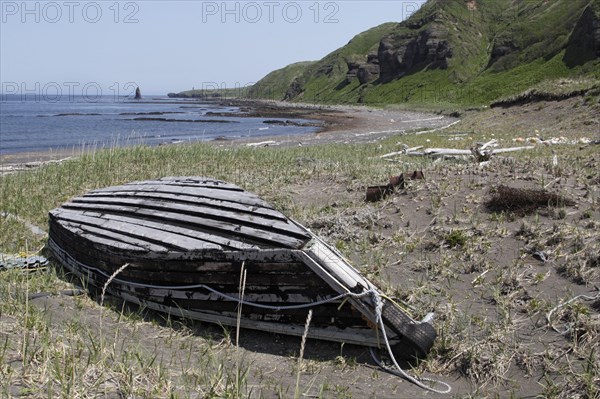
[
  {"x": 584, "y": 43},
  {"x": 402, "y": 53}
]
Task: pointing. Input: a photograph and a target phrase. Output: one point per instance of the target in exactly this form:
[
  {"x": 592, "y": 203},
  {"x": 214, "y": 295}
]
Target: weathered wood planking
[
  {"x": 189, "y": 199},
  {"x": 235, "y": 218},
  {"x": 235, "y": 234},
  {"x": 185, "y": 239},
  {"x": 210, "y": 229},
  {"x": 304, "y": 288},
  {"x": 237, "y": 196},
  {"x": 359, "y": 336},
  {"x": 178, "y": 215}
]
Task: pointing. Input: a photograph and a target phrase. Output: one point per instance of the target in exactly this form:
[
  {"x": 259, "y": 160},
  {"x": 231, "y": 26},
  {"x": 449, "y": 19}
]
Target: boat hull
[{"x": 207, "y": 250}]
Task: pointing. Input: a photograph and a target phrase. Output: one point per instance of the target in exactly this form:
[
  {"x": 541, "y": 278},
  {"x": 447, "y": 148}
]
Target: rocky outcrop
[
  {"x": 584, "y": 42},
  {"x": 400, "y": 54},
  {"x": 365, "y": 72},
  {"x": 294, "y": 90},
  {"x": 501, "y": 48},
  {"x": 353, "y": 67},
  {"x": 370, "y": 71},
  {"x": 138, "y": 94}
]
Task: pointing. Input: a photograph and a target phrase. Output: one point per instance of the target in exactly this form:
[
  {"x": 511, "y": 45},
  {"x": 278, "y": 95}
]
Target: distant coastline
[
  {"x": 34, "y": 126},
  {"x": 323, "y": 124}
]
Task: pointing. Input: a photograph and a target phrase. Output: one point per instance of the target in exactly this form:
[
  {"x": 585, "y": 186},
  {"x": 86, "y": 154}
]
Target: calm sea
[{"x": 35, "y": 124}]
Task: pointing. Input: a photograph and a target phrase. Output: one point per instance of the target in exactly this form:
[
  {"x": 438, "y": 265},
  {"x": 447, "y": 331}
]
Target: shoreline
[{"x": 341, "y": 124}]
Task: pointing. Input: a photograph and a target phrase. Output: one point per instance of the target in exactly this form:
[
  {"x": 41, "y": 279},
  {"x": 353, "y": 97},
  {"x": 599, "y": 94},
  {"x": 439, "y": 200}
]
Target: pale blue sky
[{"x": 166, "y": 46}]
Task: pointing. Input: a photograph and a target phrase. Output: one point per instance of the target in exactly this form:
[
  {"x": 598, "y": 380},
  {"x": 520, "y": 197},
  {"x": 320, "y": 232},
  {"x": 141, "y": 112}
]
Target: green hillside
[
  {"x": 276, "y": 84},
  {"x": 453, "y": 52},
  {"x": 328, "y": 74}
]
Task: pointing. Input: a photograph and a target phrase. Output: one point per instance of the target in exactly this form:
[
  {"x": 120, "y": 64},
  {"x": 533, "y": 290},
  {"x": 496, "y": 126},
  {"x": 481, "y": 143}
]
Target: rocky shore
[{"x": 338, "y": 124}]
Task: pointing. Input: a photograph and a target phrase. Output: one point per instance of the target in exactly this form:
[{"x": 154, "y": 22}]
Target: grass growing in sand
[{"x": 435, "y": 247}]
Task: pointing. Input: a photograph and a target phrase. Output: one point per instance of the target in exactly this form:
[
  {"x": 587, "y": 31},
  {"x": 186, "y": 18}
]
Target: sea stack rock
[{"x": 138, "y": 94}]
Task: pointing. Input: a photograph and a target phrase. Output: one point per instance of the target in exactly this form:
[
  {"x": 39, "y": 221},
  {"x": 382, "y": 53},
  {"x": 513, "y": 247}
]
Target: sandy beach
[{"x": 340, "y": 124}]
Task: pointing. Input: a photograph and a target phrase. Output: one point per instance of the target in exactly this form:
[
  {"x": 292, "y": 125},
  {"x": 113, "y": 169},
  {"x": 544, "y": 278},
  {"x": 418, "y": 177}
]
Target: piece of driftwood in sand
[{"x": 480, "y": 153}]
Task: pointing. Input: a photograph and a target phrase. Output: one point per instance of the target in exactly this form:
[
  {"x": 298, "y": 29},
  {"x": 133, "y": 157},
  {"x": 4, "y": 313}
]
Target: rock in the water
[{"x": 138, "y": 94}]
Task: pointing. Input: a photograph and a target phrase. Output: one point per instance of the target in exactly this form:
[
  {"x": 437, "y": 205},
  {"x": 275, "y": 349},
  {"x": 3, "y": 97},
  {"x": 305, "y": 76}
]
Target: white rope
[
  {"x": 243, "y": 301},
  {"x": 418, "y": 381},
  {"x": 568, "y": 328},
  {"x": 207, "y": 288}
]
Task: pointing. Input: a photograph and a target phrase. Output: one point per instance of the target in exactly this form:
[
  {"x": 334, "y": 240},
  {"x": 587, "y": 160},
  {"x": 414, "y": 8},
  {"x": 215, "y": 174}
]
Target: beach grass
[
  {"x": 76, "y": 359},
  {"x": 77, "y": 348}
]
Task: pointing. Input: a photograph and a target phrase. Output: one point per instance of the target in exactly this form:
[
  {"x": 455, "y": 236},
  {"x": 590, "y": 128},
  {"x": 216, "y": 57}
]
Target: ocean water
[{"x": 37, "y": 124}]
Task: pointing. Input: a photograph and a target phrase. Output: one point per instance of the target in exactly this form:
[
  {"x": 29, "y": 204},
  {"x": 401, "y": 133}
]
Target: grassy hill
[
  {"x": 453, "y": 52},
  {"x": 276, "y": 83}
]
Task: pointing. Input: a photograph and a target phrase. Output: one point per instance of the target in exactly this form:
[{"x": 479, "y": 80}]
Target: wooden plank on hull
[
  {"x": 185, "y": 181},
  {"x": 108, "y": 237},
  {"x": 157, "y": 236},
  {"x": 200, "y": 192},
  {"x": 77, "y": 231},
  {"x": 188, "y": 199},
  {"x": 224, "y": 242},
  {"x": 300, "y": 279},
  {"x": 263, "y": 238},
  {"x": 95, "y": 254},
  {"x": 252, "y": 220},
  {"x": 204, "y": 295},
  {"x": 335, "y": 264}
]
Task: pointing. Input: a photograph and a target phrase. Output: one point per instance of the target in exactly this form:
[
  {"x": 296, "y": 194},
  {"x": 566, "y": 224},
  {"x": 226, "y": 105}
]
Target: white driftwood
[
  {"x": 489, "y": 143},
  {"x": 439, "y": 128},
  {"x": 439, "y": 152},
  {"x": 446, "y": 151},
  {"x": 392, "y": 154},
  {"x": 262, "y": 144},
  {"x": 512, "y": 149},
  {"x": 404, "y": 151}
]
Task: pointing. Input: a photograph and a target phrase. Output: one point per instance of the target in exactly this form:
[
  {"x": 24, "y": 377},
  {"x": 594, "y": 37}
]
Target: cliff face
[
  {"x": 365, "y": 72},
  {"x": 584, "y": 43},
  {"x": 402, "y": 53},
  {"x": 461, "y": 50}
]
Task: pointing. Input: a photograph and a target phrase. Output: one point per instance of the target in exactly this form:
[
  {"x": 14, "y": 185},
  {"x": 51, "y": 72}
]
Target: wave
[{"x": 183, "y": 120}]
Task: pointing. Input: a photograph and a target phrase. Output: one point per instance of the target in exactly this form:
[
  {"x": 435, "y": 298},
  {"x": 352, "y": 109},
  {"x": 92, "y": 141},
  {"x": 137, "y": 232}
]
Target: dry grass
[{"x": 435, "y": 247}]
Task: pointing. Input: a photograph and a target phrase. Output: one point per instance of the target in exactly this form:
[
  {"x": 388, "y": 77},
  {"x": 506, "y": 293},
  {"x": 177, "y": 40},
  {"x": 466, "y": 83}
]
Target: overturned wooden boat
[{"x": 179, "y": 245}]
